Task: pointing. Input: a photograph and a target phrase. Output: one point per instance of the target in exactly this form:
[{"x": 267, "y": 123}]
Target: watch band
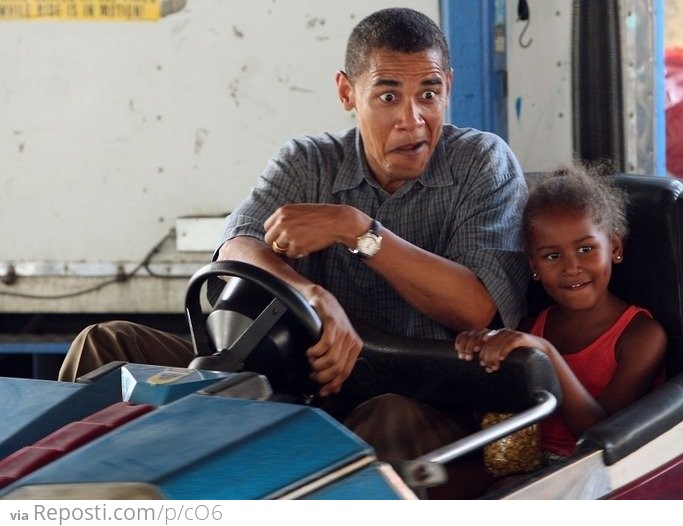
[{"x": 374, "y": 227}]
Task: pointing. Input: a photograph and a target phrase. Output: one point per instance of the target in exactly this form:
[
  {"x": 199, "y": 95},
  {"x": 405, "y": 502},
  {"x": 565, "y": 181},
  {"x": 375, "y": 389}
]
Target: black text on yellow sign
[{"x": 79, "y": 10}]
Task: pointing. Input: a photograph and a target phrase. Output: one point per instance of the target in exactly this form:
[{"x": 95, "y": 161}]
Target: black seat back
[{"x": 651, "y": 274}]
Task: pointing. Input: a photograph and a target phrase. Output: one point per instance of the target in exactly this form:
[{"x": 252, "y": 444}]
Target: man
[{"x": 403, "y": 222}]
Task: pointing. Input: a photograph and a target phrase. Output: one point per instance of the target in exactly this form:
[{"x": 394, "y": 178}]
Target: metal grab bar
[{"x": 546, "y": 404}]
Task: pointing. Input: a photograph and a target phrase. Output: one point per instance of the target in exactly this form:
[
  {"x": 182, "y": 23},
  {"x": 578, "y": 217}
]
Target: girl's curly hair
[{"x": 578, "y": 186}]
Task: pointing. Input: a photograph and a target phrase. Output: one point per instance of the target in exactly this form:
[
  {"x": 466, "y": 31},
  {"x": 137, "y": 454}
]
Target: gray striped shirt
[{"x": 466, "y": 207}]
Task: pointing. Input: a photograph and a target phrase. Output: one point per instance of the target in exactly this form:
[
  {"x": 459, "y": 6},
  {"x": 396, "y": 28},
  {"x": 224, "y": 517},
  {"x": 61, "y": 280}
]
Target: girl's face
[{"x": 573, "y": 257}]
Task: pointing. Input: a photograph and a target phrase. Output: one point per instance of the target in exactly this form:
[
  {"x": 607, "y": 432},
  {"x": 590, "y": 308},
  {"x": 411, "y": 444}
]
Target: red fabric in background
[{"x": 674, "y": 111}]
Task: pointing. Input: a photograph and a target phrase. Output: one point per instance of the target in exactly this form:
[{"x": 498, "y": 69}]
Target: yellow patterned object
[
  {"x": 88, "y": 10},
  {"x": 516, "y": 453}
]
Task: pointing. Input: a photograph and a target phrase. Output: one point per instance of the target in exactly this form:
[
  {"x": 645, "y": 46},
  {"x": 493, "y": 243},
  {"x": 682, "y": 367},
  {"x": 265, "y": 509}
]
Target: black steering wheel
[{"x": 259, "y": 323}]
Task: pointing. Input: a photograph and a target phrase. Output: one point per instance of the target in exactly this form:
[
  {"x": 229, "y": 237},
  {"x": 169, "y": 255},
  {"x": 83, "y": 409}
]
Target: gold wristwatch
[{"x": 369, "y": 243}]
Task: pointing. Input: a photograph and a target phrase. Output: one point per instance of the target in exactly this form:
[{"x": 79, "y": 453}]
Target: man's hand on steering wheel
[{"x": 332, "y": 358}]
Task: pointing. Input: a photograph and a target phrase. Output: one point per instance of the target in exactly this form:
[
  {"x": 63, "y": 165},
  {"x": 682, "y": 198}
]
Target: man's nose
[{"x": 410, "y": 115}]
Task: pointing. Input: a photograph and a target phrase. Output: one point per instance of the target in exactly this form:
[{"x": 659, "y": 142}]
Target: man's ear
[
  {"x": 345, "y": 90},
  {"x": 449, "y": 85}
]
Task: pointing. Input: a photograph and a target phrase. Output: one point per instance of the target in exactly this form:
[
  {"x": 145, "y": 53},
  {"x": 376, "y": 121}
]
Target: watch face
[{"x": 368, "y": 245}]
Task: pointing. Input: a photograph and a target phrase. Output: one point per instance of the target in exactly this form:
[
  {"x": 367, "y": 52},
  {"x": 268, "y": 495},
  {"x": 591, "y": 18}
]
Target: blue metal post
[{"x": 475, "y": 31}]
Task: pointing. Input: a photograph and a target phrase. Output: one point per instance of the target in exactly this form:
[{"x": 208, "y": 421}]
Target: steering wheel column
[{"x": 259, "y": 324}]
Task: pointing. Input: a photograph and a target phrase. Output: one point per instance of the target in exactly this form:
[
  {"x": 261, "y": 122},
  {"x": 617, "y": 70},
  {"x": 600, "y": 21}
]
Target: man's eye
[
  {"x": 429, "y": 95},
  {"x": 387, "y": 97}
]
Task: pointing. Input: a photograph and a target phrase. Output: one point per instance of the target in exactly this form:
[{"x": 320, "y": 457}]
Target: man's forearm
[
  {"x": 251, "y": 250},
  {"x": 447, "y": 292}
]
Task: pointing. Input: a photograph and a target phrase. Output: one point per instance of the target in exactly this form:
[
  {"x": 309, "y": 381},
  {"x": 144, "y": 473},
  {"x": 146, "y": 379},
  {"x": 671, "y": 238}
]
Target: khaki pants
[
  {"x": 400, "y": 428},
  {"x": 102, "y": 343}
]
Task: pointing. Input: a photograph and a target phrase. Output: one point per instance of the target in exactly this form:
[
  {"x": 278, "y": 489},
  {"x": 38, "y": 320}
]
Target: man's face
[{"x": 400, "y": 101}]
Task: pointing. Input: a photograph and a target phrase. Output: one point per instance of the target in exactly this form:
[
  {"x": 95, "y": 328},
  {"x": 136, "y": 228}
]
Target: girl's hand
[
  {"x": 467, "y": 343},
  {"x": 493, "y": 346}
]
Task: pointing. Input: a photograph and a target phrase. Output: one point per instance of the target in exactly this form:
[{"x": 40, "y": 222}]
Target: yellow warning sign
[{"x": 80, "y": 10}]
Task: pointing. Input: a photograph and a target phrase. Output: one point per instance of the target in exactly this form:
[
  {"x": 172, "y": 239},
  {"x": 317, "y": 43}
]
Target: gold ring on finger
[{"x": 277, "y": 248}]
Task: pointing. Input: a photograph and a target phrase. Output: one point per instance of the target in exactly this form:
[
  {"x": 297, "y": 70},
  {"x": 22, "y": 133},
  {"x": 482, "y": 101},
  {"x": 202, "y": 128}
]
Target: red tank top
[{"x": 594, "y": 366}]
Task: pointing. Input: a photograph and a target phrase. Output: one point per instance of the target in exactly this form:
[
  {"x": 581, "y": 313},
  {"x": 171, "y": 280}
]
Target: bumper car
[{"x": 241, "y": 421}]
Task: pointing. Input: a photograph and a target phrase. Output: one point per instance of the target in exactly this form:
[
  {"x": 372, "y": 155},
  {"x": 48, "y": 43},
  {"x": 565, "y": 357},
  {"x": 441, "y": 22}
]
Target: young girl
[{"x": 605, "y": 352}]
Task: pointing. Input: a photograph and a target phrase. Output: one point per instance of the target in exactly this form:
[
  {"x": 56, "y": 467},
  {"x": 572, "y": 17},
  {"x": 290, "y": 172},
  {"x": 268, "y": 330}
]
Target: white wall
[
  {"x": 112, "y": 130},
  {"x": 674, "y": 23},
  {"x": 539, "y": 84}
]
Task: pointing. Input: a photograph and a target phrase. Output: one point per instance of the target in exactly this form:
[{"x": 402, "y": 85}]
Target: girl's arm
[
  {"x": 640, "y": 360},
  {"x": 640, "y": 356}
]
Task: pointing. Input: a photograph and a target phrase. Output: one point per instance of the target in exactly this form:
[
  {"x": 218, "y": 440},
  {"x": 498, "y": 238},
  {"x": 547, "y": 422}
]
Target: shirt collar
[{"x": 354, "y": 169}]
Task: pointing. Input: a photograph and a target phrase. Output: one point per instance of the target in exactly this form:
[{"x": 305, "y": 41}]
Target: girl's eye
[
  {"x": 585, "y": 249},
  {"x": 551, "y": 256},
  {"x": 387, "y": 97}
]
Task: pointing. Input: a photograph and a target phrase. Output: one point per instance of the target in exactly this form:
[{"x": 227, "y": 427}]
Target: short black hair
[{"x": 398, "y": 29}]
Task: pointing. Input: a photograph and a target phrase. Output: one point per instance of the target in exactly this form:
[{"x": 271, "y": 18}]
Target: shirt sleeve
[
  {"x": 280, "y": 183},
  {"x": 487, "y": 236}
]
